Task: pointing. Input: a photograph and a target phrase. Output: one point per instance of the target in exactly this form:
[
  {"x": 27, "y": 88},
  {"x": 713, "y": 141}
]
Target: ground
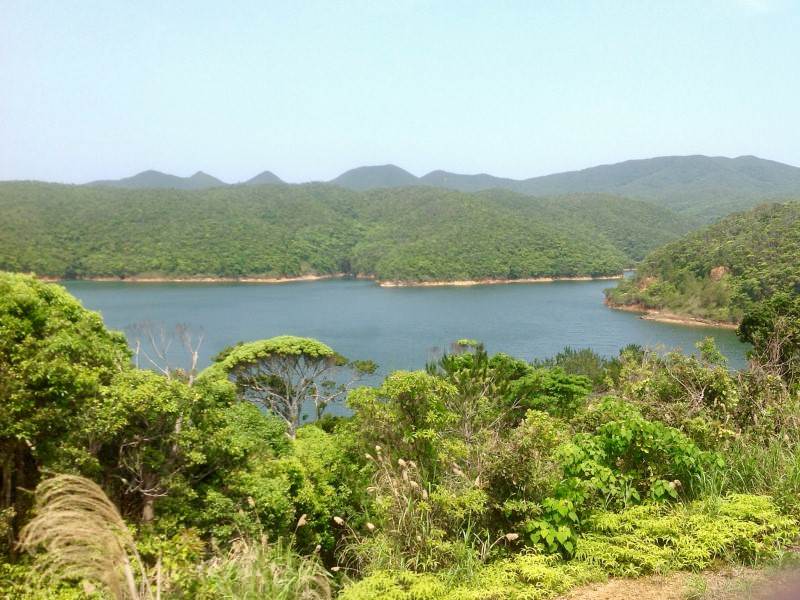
[{"x": 729, "y": 584}]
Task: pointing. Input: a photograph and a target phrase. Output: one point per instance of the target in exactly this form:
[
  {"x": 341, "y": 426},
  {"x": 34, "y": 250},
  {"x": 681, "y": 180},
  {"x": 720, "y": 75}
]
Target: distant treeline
[{"x": 411, "y": 234}]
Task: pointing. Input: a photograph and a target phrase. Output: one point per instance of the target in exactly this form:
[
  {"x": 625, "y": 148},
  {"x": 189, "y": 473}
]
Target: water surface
[{"x": 399, "y": 328}]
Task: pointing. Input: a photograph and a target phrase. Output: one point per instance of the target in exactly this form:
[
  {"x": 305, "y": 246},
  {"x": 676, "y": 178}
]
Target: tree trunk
[
  {"x": 148, "y": 509},
  {"x": 6, "y": 497}
]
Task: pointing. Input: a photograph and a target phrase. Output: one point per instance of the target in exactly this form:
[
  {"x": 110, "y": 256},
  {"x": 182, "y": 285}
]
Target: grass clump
[{"x": 253, "y": 570}]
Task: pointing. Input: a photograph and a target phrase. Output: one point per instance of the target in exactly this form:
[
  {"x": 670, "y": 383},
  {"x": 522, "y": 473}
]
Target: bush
[
  {"x": 525, "y": 577},
  {"x": 550, "y": 390},
  {"x": 629, "y": 459},
  {"x": 656, "y": 539}
]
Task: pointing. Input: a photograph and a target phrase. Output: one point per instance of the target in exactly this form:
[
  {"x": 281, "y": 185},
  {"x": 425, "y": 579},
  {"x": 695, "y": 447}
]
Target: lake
[{"x": 399, "y": 328}]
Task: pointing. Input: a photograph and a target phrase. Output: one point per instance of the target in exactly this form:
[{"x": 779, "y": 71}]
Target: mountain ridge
[
  {"x": 698, "y": 186},
  {"x": 153, "y": 179}
]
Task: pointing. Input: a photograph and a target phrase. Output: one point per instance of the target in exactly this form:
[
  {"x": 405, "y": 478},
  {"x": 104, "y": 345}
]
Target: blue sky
[{"x": 308, "y": 89}]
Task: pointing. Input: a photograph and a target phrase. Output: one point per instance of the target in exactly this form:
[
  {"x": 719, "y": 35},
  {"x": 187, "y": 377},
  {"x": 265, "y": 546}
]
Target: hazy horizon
[
  {"x": 106, "y": 90},
  {"x": 416, "y": 174}
]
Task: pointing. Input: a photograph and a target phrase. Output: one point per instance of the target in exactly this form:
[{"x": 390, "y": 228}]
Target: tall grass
[
  {"x": 78, "y": 534},
  {"x": 256, "y": 570},
  {"x": 758, "y": 467}
]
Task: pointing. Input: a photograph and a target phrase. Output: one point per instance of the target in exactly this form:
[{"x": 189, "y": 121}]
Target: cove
[{"x": 399, "y": 328}]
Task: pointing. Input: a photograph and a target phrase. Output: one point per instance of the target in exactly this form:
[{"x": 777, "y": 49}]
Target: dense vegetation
[
  {"x": 479, "y": 477},
  {"x": 702, "y": 187},
  {"x": 699, "y": 187},
  {"x": 723, "y": 271},
  {"x": 274, "y": 230}
]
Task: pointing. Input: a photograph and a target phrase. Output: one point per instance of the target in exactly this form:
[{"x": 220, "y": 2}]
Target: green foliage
[
  {"x": 412, "y": 234},
  {"x": 708, "y": 402},
  {"x": 601, "y": 371},
  {"x": 772, "y": 326},
  {"x": 550, "y": 390},
  {"x": 720, "y": 272},
  {"x": 556, "y": 530},
  {"x": 629, "y": 459},
  {"x": 290, "y": 490},
  {"x": 525, "y": 577},
  {"x": 481, "y": 477},
  {"x": 283, "y": 346},
  {"x": 655, "y": 539},
  {"x": 255, "y": 570},
  {"x": 285, "y": 373},
  {"x": 55, "y": 359},
  {"x": 21, "y": 582},
  {"x": 405, "y": 415},
  {"x": 523, "y": 468}
]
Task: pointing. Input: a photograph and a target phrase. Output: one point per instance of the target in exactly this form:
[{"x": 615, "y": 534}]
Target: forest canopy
[
  {"x": 723, "y": 271},
  {"x": 410, "y": 234}
]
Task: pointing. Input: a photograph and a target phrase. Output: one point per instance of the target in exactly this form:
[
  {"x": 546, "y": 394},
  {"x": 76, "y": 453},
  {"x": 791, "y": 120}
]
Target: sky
[{"x": 308, "y": 89}]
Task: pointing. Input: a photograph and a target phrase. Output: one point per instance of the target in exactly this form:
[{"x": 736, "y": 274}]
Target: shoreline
[
  {"x": 299, "y": 278},
  {"x": 662, "y": 316},
  {"x": 473, "y": 282},
  {"x": 138, "y": 279}
]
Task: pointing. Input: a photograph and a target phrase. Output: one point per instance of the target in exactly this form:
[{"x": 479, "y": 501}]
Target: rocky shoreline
[{"x": 662, "y": 316}]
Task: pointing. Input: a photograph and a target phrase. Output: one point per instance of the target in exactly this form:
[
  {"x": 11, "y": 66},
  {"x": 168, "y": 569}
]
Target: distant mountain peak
[
  {"x": 152, "y": 179},
  {"x": 375, "y": 176},
  {"x": 265, "y": 177},
  {"x": 700, "y": 186}
]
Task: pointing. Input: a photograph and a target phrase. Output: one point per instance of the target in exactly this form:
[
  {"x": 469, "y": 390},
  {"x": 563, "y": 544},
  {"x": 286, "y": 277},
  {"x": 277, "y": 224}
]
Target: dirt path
[{"x": 729, "y": 584}]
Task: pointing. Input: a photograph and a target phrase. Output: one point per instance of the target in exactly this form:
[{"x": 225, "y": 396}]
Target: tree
[
  {"x": 142, "y": 412},
  {"x": 406, "y": 415},
  {"x": 285, "y": 372},
  {"x": 773, "y": 328},
  {"x": 55, "y": 356}
]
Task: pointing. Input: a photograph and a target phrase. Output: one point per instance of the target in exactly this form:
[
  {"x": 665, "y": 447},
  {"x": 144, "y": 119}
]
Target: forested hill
[
  {"x": 410, "y": 234},
  {"x": 156, "y": 179},
  {"x": 702, "y": 188},
  {"x": 720, "y": 272}
]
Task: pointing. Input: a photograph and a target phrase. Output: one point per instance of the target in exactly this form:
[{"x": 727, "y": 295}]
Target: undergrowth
[{"x": 646, "y": 539}]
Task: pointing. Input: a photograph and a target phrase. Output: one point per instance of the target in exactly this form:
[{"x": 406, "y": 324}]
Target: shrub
[
  {"x": 406, "y": 415},
  {"x": 652, "y": 538},
  {"x": 656, "y": 539},
  {"x": 524, "y": 577},
  {"x": 550, "y": 390},
  {"x": 522, "y": 468},
  {"x": 629, "y": 459},
  {"x": 599, "y": 370}
]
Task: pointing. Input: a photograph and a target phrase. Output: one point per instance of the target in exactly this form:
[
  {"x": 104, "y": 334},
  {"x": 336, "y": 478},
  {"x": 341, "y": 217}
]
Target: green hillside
[
  {"x": 700, "y": 187},
  {"x": 416, "y": 233},
  {"x": 706, "y": 187},
  {"x": 722, "y": 270}
]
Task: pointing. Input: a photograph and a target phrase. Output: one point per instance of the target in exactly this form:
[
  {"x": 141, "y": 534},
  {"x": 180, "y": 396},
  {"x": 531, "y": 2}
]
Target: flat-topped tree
[{"x": 284, "y": 372}]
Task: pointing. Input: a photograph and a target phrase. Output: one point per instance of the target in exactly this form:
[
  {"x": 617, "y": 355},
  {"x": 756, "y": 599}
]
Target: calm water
[{"x": 399, "y": 328}]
